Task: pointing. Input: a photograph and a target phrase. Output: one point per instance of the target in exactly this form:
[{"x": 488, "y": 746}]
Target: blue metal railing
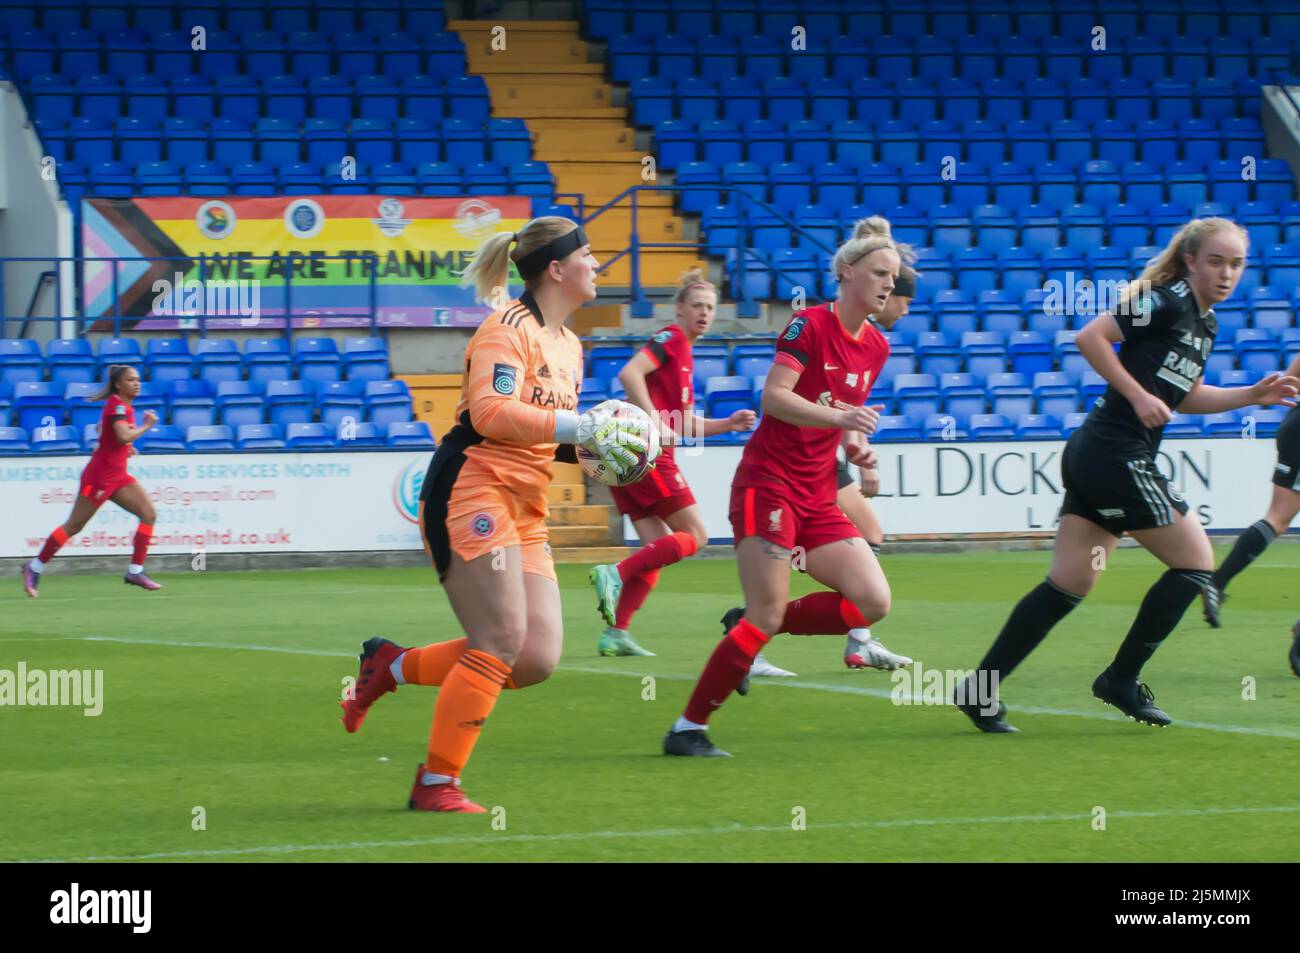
[
  {"x": 206, "y": 267},
  {"x": 745, "y": 305}
]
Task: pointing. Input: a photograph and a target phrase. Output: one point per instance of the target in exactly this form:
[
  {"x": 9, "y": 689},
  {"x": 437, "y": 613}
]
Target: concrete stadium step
[
  {"x": 591, "y": 554},
  {"x": 558, "y": 135},
  {"x": 589, "y": 514},
  {"x": 660, "y": 267},
  {"x": 509, "y": 95},
  {"x": 551, "y": 112},
  {"x": 521, "y": 41},
  {"x": 567, "y": 494},
  {"x": 579, "y": 535}
]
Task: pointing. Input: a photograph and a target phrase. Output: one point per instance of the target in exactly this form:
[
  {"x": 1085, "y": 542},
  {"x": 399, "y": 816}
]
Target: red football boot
[
  {"x": 448, "y": 797},
  {"x": 374, "y": 679}
]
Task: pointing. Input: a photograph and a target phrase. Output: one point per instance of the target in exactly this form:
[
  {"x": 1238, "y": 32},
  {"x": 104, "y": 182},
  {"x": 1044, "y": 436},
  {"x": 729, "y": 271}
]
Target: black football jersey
[{"x": 1166, "y": 344}]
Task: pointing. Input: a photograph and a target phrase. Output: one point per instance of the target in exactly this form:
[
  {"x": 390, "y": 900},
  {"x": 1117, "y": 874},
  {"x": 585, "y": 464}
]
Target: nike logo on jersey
[{"x": 831, "y": 367}]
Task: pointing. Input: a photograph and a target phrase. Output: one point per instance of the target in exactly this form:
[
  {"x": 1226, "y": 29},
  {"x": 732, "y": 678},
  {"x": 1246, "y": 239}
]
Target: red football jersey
[
  {"x": 111, "y": 454},
  {"x": 672, "y": 382},
  {"x": 835, "y": 370}
]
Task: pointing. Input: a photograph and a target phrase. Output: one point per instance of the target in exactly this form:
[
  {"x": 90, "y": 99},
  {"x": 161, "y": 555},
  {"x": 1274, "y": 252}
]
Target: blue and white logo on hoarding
[
  {"x": 406, "y": 489},
  {"x": 304, "y": 218}
]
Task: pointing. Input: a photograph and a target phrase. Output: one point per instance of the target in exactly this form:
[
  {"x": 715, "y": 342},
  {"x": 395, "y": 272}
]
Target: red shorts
[
  {"x": 782, "y": 516},
  {"x": 661, "y": 492},
  {"x": 100, "y": 486}
]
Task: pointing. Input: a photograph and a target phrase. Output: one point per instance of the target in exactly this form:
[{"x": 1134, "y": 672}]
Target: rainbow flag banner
[{"x": 314, "y": 260}]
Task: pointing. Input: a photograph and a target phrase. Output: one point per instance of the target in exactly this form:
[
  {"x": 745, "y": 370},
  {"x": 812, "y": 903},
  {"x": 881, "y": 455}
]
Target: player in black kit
[
  {"x": 1281, "y": 511},
  {"x": 1166, "y": 329}
]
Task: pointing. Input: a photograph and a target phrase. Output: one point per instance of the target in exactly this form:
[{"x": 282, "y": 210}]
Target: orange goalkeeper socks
[
  {"x": 469, "y": 692},
  {"x": 429, "y": 664}
]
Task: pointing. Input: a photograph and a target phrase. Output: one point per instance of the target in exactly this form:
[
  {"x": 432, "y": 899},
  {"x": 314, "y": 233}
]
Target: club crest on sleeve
[
  {"x": 503, "y": 378},
  {"x": 795, "y": 329},
  {"x": 663, "y": 336}
]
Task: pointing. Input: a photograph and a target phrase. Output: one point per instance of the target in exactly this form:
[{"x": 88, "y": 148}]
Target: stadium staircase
[{"x": 543, "y": 76}]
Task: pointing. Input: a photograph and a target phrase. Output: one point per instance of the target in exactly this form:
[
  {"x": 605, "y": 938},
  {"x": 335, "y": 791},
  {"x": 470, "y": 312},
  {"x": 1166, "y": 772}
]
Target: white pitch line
[
  {"x": 671, "y": 832},
  {"x": 1265, "y": 731}
]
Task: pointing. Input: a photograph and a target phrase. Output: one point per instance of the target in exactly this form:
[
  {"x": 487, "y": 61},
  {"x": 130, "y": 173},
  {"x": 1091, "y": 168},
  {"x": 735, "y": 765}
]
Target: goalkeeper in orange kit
[{"x": 483, "y": 505}]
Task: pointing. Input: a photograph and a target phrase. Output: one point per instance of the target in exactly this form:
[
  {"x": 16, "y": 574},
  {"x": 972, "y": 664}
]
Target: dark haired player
[{"x": 105, "y": 478}]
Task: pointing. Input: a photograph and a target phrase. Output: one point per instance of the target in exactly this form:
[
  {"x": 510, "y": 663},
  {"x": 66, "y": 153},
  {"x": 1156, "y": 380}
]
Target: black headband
[
  {"x": 904, "y": 286},
  {"x": 557, "y": 249}
]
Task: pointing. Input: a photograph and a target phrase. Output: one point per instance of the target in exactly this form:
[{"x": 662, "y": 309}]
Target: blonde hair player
[
  {"x": 1165, "y": 327},
  {"x": 862, "y": 650},
  {"x": 483, "y": 505},
  {"x": 783, "y": 493},
  {"x": 660, "y": 379},
  {"x": 105, "y": 478}
]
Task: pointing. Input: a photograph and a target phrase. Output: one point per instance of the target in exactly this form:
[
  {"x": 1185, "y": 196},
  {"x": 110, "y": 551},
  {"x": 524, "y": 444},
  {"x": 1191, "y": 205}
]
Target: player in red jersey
[
  {"x": 105, "y": 478},
  {"x": 660, "y": 380},
  {"x": 783, "y": 495}
]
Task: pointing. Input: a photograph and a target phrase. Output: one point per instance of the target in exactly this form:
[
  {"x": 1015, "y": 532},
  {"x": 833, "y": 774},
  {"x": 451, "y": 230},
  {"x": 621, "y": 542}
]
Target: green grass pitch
[{"x": 825, "y": 766}]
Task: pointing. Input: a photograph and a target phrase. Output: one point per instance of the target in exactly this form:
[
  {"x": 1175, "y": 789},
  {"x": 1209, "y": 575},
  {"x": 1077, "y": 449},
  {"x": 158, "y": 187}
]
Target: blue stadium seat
[
  {"x": 1183, "y": 425},
  {"x": 937, "y": 351},
  {"x": 260, "y": 437},
  {"x": 751, "y": 360},
  {"x": 288, "y": 402},
  {"x": 984, "y": 351},
  {"x": 119, "y": 351},
  {"x": 309, "y": 436},
  {"x": 37, "y": 404},
  {"x": 13, "y": 441},
  {"x": 1010, "y": 395},
  {"x": 339, "y": 401},
  {"x": 945, "y": 427},
  {"x": 916, "y": 395},
  {"x": 727, "y": 394},
  {"x": 89, "y": 437},
  {"x": 365, "y": 359},
  {"x": 1227, "y": 424},
  {"x": 896, "y": 428},
  {"x": 55, "y": 440},
  {"x": 991, "y": 427},
  {"x": 387, "y": 401},
  {"x": 962, "y": 395},
  {"x": 218, "y": 360},
  {"x": 351, "y": 434},
  {"x": 317, "y": 359},
  {"x": 410, "y": 433},
  {"x": 1258, "y": 351},
  {"x": 1072, "y": 422},
  {"x": 1030, "y": 352},
  {"x": 169, "y": 359},
  {"x": 78, "y": 402},
  {"x": 267, "y": 359},
  {"x": 239, "y": 403},
  {"x": 605, "y": 362},
  {"x": 190, "y": 403},
  {"x": 161, "y": 438},
  {"x": 1038, "y": 427},
  {"x": 1055, "y": 394},
  {"x": 210, "y": 439},
  {"x": 20, "y": 360}
]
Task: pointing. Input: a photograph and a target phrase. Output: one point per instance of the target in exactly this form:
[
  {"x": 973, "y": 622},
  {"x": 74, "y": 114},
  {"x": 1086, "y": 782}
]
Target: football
[{"x": 596, "y": 468}]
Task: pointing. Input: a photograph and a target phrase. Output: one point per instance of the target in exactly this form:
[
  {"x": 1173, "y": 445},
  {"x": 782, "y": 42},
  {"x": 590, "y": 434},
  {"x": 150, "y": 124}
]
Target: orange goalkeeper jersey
[{"x": 518, "y": 373}]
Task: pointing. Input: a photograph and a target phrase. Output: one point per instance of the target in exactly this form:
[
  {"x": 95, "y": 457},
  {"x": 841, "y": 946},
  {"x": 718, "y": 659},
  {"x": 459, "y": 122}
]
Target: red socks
[
  {"x": 822, "y": 613},
  {"x": 140, "y": 544},
  {"x": 657, "y": 554},
  {"x": 53, "y": 544},
  {"x": 726, "y": 668},
  {"x": 633, "y": 596}
]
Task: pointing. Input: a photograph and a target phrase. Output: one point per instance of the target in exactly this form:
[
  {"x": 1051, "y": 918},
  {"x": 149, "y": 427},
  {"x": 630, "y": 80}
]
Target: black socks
[
  {"x": 1030, "y": 621},
  {"x": 1249, "y": 545},
  {"x": 1161, "y": 610}
]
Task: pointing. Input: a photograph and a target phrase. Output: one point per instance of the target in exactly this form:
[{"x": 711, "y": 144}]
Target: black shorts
[
  {"x": 1287, "y": 472},
  {"x": 842, "y": 474},
  {"x": 1119, "y": 491},
  {"x": 434, "y": 494}
]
